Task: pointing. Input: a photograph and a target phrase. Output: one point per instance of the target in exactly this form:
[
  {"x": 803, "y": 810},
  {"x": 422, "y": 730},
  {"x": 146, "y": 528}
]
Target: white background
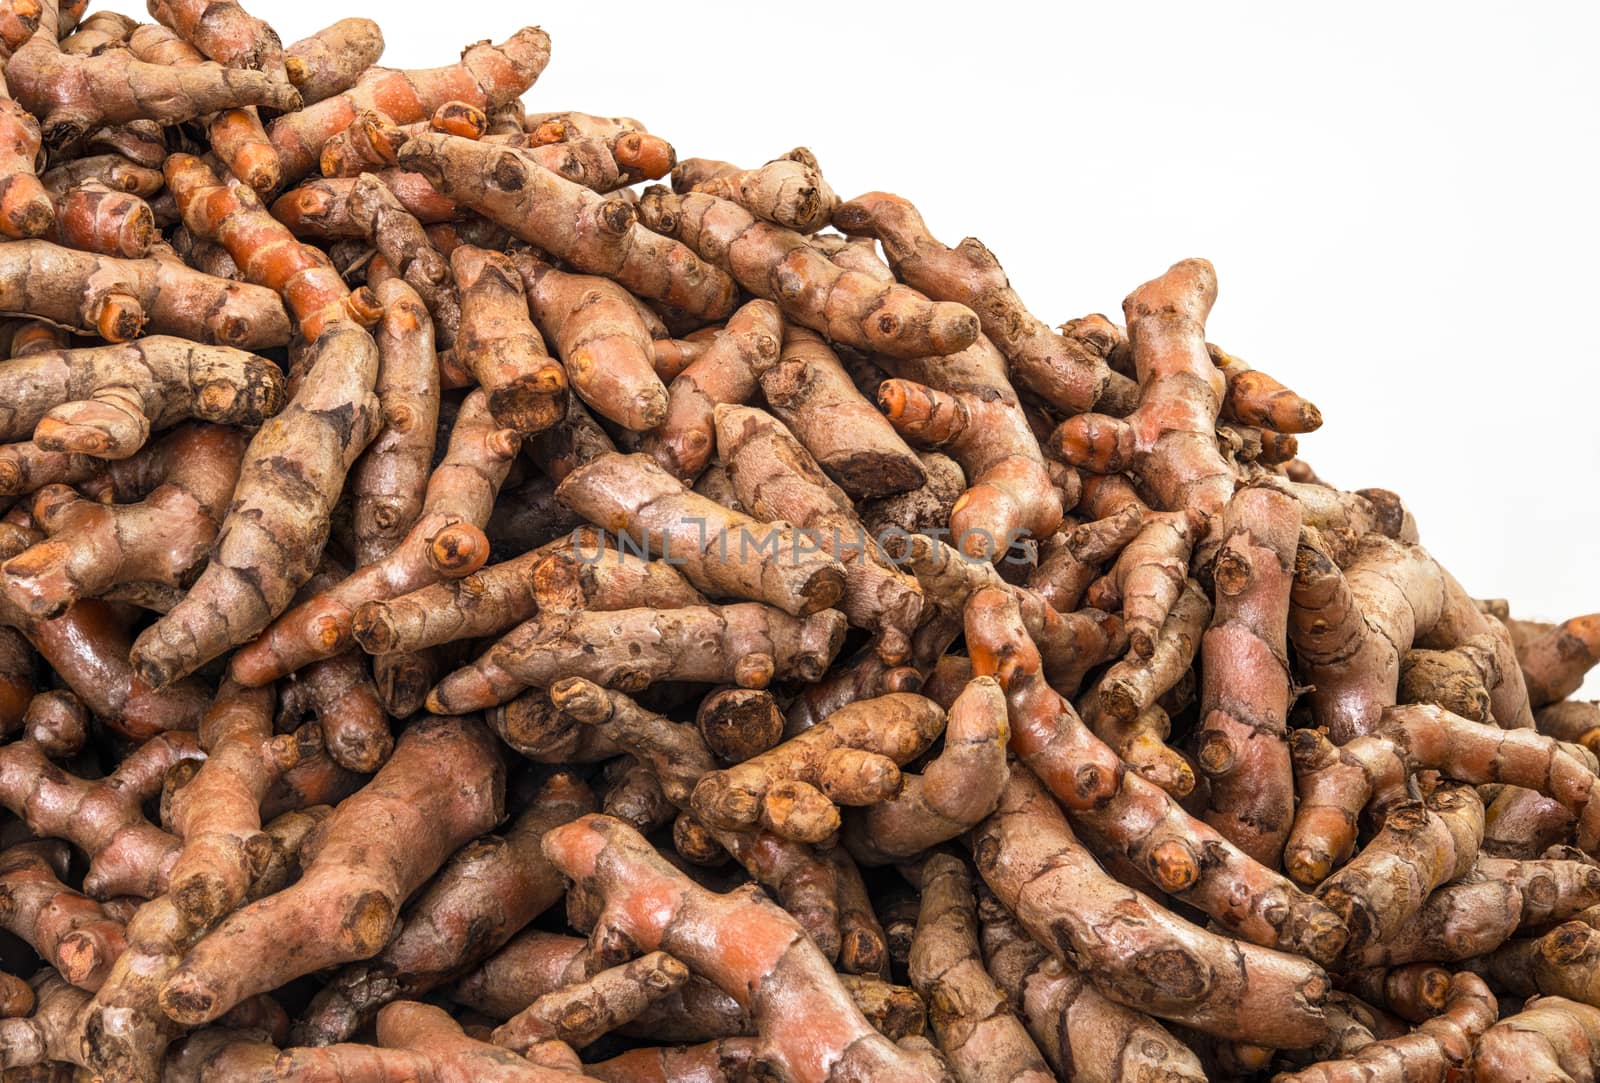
[{"x": 1400, "y": 200}]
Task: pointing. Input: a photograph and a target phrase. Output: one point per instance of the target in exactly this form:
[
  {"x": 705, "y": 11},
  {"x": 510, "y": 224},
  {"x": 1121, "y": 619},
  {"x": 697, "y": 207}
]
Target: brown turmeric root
[
  {"x": 353, "y": 877},
  {"x": 421, "y": 1043},
  {"x": 747, "y": 644},
  {"x": 806, "y": 885},
  {"x": 127, "y": 854},
  {"x": 738, "y": 723},
  {"x": 720, "y": 551},
  {"x": 1246, "y": 691},
  {"x": 401, "y": 241},
  {"x": 117, "y": 299},
  {"x": 1150, "y": 571},
  {"x": 1421, "y": 847},
  {"x": 725, "y": 1060},
  {"x": 1560, "y": 963},
  {"x": 1077, "y": 1029},
  {"x": 1142, "y": 745},
  {"x": 777, "y": 480},
  {"x": 581, "y": 1013},
  {"x": 953, "y": 793},
  {"x": 1059, "y": 369},
  {"x": 1157, "y": 963},
  {"x": 51, "y": 1032},
  {"x": 1336, "y": 784},
  {"x": 218, "y": 813},
  {"x": 1552, "y": 1039},
  {"x": 849, "y": 307},
  {"x": 106, "y": 400},
  {"x": 330, "y": 61},
  {"x": 1438, "y": 1047},
  {"x": 1069, "y": 561},
  {"x": 73, "y": 95},
  {"x": 324, "y": 209},
  {"x": 228, "y": 34},
  {"x": 726, "y": 372},
  {"x": 295, "y": 466},
  {"x": 25, "y": 207},
  {"x": 499, "y": 346},
  {"x": 487, "y": 892},
  {"x": 1169, "y": 443},
  {"x": 1416, "y": 992},
  {"x": 185, "y": 481},
  {"x": 852, "y": 757},
  {"x": 972, "y": 1023},
  {"x": 1134, "y": 684},
  {"x": 788, "y": 191},
  {"x": 1350, "y": 627},
  {"x": 650, "y": 906},
  {"x": 446, "y": 540},
  {"x": 1458, "y": 679},
  {"x": 603, "y": 340},
  {"x": 1553, "y": 664},
  {"x": 964, "y": 404},
  {"x": 1182, "y": 856},
  {"x": 58, "y": 722},
  {"x": 69, "y": 931},
  {"x": 1574, "y": 721},
  {"x": 595, "y": 235},
  {"x": 486, "y": 77}
]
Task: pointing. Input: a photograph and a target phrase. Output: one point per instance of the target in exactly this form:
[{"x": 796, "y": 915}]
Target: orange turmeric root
[
  {"x": 486, "y": 77},
  {"x": 446, "y": 540},
  {"x": 788, "y": 191},
  {"x": 1246, "y": 692},
  {"x": 401, "y": 241},
  {"x": 1057, "y": 368},
  {"x": 595, "y": 235},
  {"x": 1157, "y": 963},
  {"x": 295, "y": 466},
  {"x": 185, "y": 481},
  {"x": 94, "y": 218},
  {"x": 1554, "y": 664},
  {"x": 479, "y": 900},
  {"x": 782, "y": 266},
  {"x": 649, "y": 905},
  {"x": 25, "y": 207},
  {"x": 604, "y": 342},
  {"x": 69, "y": 931},
  {"x": 330, "y": 61},
  {"x": 353, "y": 880}
]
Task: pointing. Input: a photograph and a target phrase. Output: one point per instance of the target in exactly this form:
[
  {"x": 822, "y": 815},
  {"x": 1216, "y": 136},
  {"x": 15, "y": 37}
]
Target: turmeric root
[
  {"x": 228, "y": 34},
  {"x": 25, "y": 207},
  {"x": 1437, "y": 1047},
  {"x": 727, "y": 372},
  {"x": 971, "y": 1021},
  {"x": 69, "y": 931},
  {"x": 1157, "y": 963},
  {"x": 852, "y": 757},
  {"x": 401, "y": 241},
  {"x": 58, "y": 723},
  {"x": 1349, "y": 628},
  {"x": 1133, "y": 685},
  {"x": 353, "y": 879},
  {"x": 1058, "y": 369},
  {"x": 1183, "y": 857},
  {"x": 487, "y": 76},
  {"x": 330, "y": 61},
  {"x": 93, "y": 218},
  {"x": 1421, "y": 847},
  {"x": 777, "y": 480},
  {"x": 295, "y": 466},
  {"x": 185, "y": 480},
  {"x": 420, "y": 1042},
  {"x": 479, "y": 900},
  {"x": 651, "y": 906},
  {"x": 1077, "y": 1029},
  {"x": 595, "y": 235},
  {"x": 1552, "y": 1038},
  {"x": 1574, "y": 721},
  {"x": 1458, "y": 679},
  {"x": 788, "y": 191},
  {"x": 1148, "y": 575},
  {"x": 325, "y": 208},
  {"x": 723, "y": 1061},
  {"x": 952, "y": 794},
  {"x": 127, "y": 854},
  {"x": 51, "y": 1032},
  {"x": 603, "y": 341},
  {"x": 1336, "y": 784},
  {"x": 1553, "y": 664},
  {"x": 780, "y": 265},
  {"x": 634, "y": 494},
  {"x": 583, "y": 1012},
  {"x": 1246, "y": 691},
  {"x": 446, "y": 540}
]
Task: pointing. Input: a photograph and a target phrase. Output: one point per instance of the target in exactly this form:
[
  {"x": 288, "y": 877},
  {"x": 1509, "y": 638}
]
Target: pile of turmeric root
[{"x": 485, "y": 599}]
